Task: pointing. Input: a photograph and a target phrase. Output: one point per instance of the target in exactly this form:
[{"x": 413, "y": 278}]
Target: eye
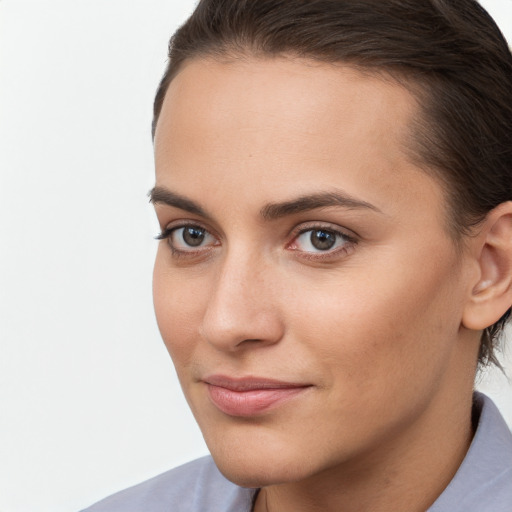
[
  {"x": 188, "y": 238},
  {"x": 320, "y": 240}
]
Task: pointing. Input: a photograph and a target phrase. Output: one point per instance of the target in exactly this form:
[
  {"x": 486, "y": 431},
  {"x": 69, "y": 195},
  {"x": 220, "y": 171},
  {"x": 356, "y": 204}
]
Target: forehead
[
  {"x": 279, "y": 94},
  {"x": 273, "y": 124}
]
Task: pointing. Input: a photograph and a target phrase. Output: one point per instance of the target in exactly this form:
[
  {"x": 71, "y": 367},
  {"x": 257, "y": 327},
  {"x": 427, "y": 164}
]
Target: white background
[{"x": 89, "y": 403}]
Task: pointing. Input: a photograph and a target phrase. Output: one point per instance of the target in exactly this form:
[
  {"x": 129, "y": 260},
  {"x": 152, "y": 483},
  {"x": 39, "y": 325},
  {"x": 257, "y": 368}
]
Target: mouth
[{"x": 250, "y": 396}]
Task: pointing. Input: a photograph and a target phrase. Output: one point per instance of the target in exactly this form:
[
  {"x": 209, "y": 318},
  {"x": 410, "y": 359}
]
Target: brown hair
[{"x": 450, "y": 53}]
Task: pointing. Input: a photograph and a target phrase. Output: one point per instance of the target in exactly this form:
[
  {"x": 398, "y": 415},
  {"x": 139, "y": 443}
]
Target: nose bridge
[{"x": 242, "y": 303}]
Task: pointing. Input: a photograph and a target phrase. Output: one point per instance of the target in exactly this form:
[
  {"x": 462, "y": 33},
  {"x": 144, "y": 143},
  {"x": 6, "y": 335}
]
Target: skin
[{"x": 375, "y": 326}]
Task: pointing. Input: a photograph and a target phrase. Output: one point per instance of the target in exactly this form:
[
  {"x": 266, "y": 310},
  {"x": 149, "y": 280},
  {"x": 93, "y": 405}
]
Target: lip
[{"x": 250, "y": 396}]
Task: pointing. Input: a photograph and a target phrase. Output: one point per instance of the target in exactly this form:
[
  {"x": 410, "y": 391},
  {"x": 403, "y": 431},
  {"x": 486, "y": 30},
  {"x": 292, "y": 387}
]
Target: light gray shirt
[{"x": 483, "y": 482}]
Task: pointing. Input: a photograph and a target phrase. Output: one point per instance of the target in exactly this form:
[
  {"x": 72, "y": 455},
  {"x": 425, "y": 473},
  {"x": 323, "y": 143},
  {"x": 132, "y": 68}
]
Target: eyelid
[
  {"x": 327, "y": 226},
  {"x": 183, "y": 223},
  {"x": 351, "y": 239},
  {"x": 167, "y": 232}
]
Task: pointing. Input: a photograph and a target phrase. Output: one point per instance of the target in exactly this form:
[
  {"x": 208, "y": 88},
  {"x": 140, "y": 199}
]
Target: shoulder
[
  {"x": 194, "y": 487},
  {"x": 484, "y": 480}
]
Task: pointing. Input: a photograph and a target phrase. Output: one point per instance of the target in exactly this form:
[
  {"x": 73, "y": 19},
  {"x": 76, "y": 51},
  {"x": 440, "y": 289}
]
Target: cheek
[
  {"x": 384, "y": 325},
  {"x": 178, "y": 305}
]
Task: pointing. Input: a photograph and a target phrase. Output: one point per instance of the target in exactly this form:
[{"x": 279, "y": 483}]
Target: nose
[{"x": 242, "y": 310}]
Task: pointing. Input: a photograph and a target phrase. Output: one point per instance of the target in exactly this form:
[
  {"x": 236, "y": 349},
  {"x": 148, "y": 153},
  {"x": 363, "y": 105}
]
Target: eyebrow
[
  {"x": 314, "y": 201},
  {"x": 271, "y": 211},
  {"x": 161, "y": 195}
]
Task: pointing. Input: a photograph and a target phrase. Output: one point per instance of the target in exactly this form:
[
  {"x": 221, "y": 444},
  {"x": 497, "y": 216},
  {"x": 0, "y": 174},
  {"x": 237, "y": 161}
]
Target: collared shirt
[{"x": 483, "y": 482}]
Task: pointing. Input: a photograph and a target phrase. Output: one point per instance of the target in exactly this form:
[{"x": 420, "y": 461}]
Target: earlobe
[{"x": 491, "y": 295}]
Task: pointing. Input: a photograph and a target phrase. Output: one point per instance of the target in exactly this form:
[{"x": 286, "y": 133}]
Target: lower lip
[{"x": 250, "y": 402}]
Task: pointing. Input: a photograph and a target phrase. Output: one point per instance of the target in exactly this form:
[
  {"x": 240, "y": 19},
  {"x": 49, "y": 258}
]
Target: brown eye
[
  {"x": 322, "y": 240},
  {"x": 193, "y": 236},
  {"x": 318, "y": 240},
  {"x": 189, "y": 238}
]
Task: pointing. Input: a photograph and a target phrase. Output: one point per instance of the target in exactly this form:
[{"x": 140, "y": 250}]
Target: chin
[
  {"x": 246, "y": 473},
  {"x": 260, "y": 464}
]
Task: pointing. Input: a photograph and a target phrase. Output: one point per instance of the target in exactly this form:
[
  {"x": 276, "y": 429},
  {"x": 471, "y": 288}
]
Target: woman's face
[{"x": 306, "y": 287}]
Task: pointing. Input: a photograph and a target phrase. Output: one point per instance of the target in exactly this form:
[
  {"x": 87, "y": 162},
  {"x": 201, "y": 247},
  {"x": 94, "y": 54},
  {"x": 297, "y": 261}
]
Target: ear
[{"x": 491, "y": 295}]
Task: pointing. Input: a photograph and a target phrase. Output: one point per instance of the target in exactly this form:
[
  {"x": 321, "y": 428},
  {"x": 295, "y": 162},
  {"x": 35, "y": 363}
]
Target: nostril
[{"x": 250, "y": 341}]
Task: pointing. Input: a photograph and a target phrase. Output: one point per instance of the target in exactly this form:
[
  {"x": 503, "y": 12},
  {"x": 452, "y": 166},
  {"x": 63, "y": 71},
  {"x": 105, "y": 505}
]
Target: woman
[{"x": 333, "y": 186}]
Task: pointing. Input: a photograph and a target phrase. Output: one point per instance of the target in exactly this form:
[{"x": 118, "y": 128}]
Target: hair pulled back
[{"x": 449, "y": 53}]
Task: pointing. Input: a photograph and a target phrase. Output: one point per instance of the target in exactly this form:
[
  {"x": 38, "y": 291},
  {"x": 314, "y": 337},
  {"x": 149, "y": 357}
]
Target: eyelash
[
  {"x": 167, "y": 233},
  {"x": 349, "y": 241}
]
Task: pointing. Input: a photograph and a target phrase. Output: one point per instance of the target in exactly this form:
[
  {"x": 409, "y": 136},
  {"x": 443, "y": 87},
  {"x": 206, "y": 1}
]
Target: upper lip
[{"x": 250, "y": 383}]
